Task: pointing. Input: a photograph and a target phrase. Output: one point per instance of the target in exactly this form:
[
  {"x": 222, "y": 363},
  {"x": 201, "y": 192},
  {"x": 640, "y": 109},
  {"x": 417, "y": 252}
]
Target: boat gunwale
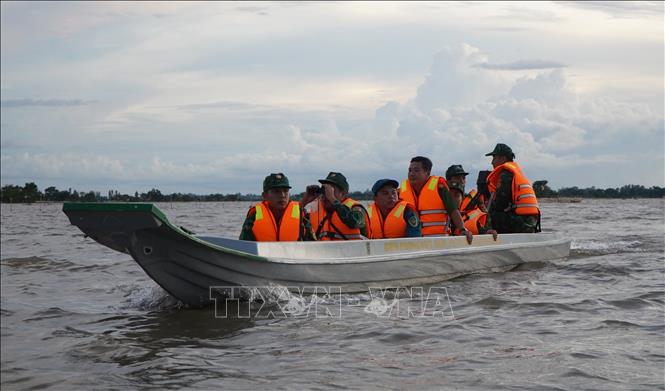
[
  {"x": 415, "y": 255},
  {"x": 397, "y": 256}
]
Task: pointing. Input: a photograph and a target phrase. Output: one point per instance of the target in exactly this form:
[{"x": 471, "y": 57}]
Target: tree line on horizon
[{"x": 30, "y": 193}]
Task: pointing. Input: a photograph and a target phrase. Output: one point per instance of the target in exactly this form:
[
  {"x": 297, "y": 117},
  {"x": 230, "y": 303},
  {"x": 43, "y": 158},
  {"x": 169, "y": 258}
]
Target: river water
[{"x": 77, "y": 315}]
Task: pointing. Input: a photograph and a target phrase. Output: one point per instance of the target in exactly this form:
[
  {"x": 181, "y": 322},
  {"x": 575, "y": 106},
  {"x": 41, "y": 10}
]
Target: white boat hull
[{"x": 189, "y": 266}]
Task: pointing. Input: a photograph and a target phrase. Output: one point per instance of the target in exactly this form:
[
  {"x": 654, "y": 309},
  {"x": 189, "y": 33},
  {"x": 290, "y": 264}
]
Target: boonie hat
[
  {"x": 275, "y": 180},
  {"x": 336, "y": 178},
  {"x": 455, "y": 169},
  {"x": 502, "y": 150},
  {"x": 382, "y": 182}
]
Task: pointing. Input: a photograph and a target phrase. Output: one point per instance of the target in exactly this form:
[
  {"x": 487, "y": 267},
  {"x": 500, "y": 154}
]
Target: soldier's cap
[
  {"x": 275, "y": 180},
  {"x": 456, "y": 185},
  {"x": 455, "y": 169},
  {"x": 336, "y": 178},
  {"x": 382, "y": 182},
  {"x": 502, "y": 150}
]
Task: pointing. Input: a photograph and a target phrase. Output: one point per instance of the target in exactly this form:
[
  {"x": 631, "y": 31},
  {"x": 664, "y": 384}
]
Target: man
[
  {"x": 431, "y": 197},
  {"x": 333, "y": 215},
  {"x": 390, "y": 217},
  {"x": 513, "y": 206},
  {"x": 475, "y": 219},
  {"x": 276, "y": 218},
  {"x": 456, "y": 174}
]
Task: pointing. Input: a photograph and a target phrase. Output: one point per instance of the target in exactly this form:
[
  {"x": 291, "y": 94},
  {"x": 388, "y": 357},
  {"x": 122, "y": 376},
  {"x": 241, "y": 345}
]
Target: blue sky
[{"x": 211, "y": 97}]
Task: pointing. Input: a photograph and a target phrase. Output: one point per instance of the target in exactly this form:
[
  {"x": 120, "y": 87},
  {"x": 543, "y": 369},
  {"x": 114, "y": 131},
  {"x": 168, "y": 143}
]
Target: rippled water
[{"x": 76, "y": 315}]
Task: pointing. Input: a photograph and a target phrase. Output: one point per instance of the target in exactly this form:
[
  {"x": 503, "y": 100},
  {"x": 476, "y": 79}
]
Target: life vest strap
[
  {"x": 434, "y": 224},
  {"x": 433, "y": 211},
  {"x": 526, "y": 196},
  {"x": 525, "y": 206}
]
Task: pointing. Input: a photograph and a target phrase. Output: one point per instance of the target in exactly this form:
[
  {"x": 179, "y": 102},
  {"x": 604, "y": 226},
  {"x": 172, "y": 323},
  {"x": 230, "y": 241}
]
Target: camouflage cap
[
  {"x": 502, "y": 150},
  {"x": 275, "y": 180},
  {"x": 455, "y": 169},
  {"x": 337, "y": 179}
]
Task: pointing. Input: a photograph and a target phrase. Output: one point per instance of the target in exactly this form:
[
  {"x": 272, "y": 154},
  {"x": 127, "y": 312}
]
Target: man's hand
[
  {"x": 329, "y": 193},
  {"x": 494, "y": 234},
  {"x": 309, "y": 196},
  {"x": 469, "y": 236}
]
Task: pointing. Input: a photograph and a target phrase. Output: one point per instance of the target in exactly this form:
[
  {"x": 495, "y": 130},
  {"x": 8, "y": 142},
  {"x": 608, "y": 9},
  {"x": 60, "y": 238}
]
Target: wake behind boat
[{"x": 188, "y": 266}]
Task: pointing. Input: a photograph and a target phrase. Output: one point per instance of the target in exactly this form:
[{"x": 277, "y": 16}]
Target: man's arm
[
  {"x": 246, "y": 232},
  {"x": 504, "y": 193},
  {"x": 351, "y": 217},
  {"x": 414, "y": 228},
  {"x": 306, "y": 231},
  {"x": 453, "y": 212}
]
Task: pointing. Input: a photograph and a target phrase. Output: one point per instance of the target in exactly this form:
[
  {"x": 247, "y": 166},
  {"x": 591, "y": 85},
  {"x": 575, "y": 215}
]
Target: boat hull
[{"x": 192, "y": 268}]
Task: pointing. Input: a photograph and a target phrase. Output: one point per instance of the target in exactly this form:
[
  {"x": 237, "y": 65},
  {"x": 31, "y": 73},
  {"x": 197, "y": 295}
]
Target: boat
[{"x": 189, "y": 266}]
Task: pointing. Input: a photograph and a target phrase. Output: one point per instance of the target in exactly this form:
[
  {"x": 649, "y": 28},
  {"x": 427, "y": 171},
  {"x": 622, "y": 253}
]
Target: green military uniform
[
  {"x": 276, "y": 181},
  {"x": 351, "y": 217},
  {"x": 475, "y": 201},
  {"x": 504, "y": 219}
]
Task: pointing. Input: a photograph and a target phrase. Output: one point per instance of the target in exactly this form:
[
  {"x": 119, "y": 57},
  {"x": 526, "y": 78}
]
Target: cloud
[
  {"x": 11, "y": 103},
  {"x": 263, "y": 11},
  {"x": 621, "y": 9},
  {"x": 551, "y": 128},
  {"x": 453, "y": 79},
  {"x": 522, "y": 65}
]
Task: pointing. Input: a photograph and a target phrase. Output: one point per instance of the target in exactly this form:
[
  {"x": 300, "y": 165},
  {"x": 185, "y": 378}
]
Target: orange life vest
[
  {"x": 524, "y": 200},
  {"x": 466, "y": 200},
  {"x": 393, "y": 226},
  {"x": 317, "y": 214},
  {"x": 474, "y": 219},
  {"x": 265, "y": 226},
  {"x": 430, "y": 207}
]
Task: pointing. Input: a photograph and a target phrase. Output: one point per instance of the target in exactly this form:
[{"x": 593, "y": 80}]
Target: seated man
[
  {"x": 390, "y": 217},
  {"x": 475, "y": 219},
  {"x": 276, "y": 218},
  {"x": 333, "y": 215},
  {"x": 513, "y": 206},
  {"x": 456, "y": 173},
  {"x": 431, "y": 197}
]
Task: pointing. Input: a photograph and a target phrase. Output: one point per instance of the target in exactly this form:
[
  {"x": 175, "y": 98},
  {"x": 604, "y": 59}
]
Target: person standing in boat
[
  {"x": 471, "y": 208},
  {"x": 513, "y": 206},
  {"x": 431, "y": 197},
  {"x": 276, "y": 218},
  {"x": 389, "y": 216},
  {"x": 333, "y": 215}
]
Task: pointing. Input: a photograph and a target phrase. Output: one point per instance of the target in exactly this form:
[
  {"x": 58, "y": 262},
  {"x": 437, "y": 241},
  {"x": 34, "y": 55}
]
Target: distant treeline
[{"x": 30, "y": 193}]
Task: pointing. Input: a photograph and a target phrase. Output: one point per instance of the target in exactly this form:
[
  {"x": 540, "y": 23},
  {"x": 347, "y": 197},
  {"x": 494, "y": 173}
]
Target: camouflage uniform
[{"x": 504, "y": 219}]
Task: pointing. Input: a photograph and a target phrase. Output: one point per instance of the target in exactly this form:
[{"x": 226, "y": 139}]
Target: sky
[{"x": 210, "y": 97}]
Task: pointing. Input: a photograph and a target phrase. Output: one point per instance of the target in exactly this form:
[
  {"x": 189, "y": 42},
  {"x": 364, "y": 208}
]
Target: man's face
[
  {"x": 417, "y": 174},
  {"x": 498, "y": 160},
  {"x": 386, "y": 197},
  {"x": 277, "y": 197},
  {"x": 458, "y": 178}
]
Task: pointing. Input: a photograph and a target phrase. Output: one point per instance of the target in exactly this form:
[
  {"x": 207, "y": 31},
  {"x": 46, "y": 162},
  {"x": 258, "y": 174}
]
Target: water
[{"x": 76, "y": 315}]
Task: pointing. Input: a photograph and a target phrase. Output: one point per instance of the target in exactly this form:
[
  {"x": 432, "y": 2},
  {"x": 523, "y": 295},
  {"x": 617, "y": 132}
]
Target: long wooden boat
[{"x": 188, "y": 266}]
